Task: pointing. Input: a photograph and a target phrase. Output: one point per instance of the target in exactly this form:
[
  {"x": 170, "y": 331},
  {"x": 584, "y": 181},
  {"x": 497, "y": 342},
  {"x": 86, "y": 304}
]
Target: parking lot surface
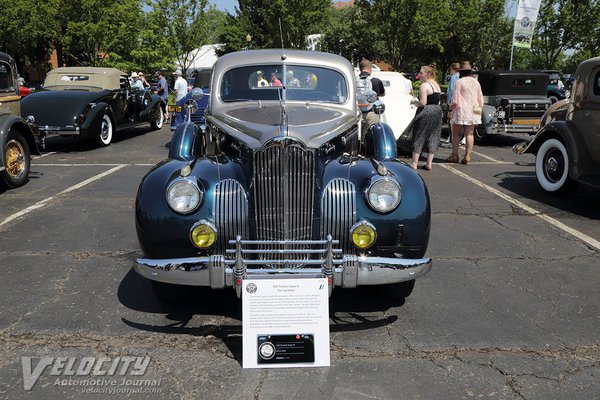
[{"x": 510, "y": 310}]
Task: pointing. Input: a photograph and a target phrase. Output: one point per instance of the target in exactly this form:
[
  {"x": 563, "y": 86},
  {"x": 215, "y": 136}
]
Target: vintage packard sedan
[
  {"x": 16, "y": 134},
  {"x": 278, "y": 184},
  {"x": 91, "y": 103},
  {"x": 567, "y": 146}
]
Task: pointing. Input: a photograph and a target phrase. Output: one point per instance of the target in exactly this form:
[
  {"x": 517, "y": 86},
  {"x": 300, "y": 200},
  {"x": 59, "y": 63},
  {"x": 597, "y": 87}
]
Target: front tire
[
  {"x": 158, "y": 120},
  {"x": 397, "y": 291},
  {"x": 552, "y": 167},
  {"x": 17, "y": 160},
  {"x": 105, "y": 134}
]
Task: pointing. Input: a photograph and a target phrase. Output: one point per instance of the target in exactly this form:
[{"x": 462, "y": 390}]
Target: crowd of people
[{"x": 465, "y": 103}]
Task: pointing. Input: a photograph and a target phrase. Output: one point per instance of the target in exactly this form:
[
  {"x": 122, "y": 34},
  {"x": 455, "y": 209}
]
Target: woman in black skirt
[{"x": 427, "y": 125}]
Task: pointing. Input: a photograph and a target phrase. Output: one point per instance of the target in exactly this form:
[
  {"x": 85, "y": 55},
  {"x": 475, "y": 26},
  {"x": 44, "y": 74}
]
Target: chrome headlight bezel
[
  {"x": 193, "y": 190},
  {"x": 376, "y": 184}
]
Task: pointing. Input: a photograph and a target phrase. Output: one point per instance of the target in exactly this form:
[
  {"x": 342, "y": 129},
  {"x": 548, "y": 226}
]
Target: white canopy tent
[{"x": 203, "y": 57}]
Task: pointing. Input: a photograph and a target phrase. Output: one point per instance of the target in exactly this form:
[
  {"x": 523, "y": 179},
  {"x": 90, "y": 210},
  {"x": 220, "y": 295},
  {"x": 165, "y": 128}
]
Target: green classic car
[
  {"x": 16, "y": 134},
  {"x": 92, "y": 103}
]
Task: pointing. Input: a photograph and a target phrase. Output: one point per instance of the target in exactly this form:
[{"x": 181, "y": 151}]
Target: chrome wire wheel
[{"x": 15, "y": 159}]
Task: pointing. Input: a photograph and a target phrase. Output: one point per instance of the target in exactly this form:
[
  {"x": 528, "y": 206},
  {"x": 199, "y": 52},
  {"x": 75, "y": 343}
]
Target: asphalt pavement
[{"x": 510, "y": 310}]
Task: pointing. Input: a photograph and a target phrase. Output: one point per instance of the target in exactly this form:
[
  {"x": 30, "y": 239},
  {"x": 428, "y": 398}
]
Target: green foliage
[{"x": 261, "y": 20}]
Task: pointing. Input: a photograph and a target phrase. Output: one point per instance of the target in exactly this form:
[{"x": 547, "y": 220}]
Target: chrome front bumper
[{"x": 219, "y": 272}]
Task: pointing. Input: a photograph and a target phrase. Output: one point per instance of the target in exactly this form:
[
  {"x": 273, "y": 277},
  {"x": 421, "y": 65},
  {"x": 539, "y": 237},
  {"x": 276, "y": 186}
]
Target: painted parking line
[
  {"x": 89, "y": 165},
  {"x": 47, "y": 200},
  {"x": 488, "y": 157},
  {"x": 590, "y": 241},
  {"x": 44, "y": 155}
]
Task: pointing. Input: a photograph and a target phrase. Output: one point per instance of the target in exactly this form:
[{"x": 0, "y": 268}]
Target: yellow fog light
[
  {"x": 363, "y": 235},
  {"x": 203, "y": 234}
]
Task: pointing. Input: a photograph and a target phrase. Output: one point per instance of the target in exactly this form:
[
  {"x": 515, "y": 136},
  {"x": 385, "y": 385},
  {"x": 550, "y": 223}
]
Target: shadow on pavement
[{"x": 349, "y": 309}]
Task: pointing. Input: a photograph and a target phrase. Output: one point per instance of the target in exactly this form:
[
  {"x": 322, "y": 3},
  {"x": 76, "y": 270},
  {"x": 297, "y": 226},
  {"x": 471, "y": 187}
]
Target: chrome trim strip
[
  {"x": 338, "y": 206},
  {"x": 230, "y": 210}
]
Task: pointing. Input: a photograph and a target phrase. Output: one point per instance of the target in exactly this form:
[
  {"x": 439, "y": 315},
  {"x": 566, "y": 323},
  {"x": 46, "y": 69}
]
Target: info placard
[{"x": 285, "y": 323}]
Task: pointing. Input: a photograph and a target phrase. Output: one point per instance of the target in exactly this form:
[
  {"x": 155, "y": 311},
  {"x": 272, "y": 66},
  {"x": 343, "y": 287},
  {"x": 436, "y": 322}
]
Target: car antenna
[{"x": 283, "y": 56}]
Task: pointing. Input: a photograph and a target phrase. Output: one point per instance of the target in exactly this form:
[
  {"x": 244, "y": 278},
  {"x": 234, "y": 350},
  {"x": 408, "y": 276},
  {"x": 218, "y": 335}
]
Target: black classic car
[
  {"x": 91, "y": 103},
  {"x": 16, "y": 134},
  {"x": 514, "y": 102},
  {"x": 279, "y": 184},
  {"x": 567, "y": 146}
]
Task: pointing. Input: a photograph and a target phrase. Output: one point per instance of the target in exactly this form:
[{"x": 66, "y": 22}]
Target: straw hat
[
  {"x": 134, "y": 75},
  {"x": 465, "y": 66}
]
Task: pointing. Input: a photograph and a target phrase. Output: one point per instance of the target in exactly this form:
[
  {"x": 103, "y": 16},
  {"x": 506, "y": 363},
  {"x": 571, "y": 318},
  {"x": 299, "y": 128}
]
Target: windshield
[{"x": 288, "y": 82}]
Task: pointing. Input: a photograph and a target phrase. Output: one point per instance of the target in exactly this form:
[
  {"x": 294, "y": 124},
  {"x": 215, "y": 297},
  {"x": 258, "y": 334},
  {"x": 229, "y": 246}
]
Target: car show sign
[
  {"x": 527, "y": 14},
  {"x": 285, "y": 323}
]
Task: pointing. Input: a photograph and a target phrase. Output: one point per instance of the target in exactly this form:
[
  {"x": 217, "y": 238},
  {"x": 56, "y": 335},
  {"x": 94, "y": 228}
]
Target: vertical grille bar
[
  {"x": 230, "y": 211},
  {"x": 339, "y": 210}
]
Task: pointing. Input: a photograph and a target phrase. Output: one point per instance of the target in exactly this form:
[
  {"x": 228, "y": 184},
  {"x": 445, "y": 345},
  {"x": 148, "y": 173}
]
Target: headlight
[
  {"x": 183, "y": 196},
  {"x": 384, "y": 195}
]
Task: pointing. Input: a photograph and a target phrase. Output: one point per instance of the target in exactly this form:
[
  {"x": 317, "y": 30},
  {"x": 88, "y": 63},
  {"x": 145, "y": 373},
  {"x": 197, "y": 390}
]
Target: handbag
[{"x": 476, "y": 109}]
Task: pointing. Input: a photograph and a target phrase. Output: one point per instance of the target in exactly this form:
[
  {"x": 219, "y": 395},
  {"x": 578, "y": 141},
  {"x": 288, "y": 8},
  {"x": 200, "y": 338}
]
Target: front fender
[
  {"x": 404, "y": 230},
  {"x": 380, "y": 143},
  {"x": 184, "y": 143},
  {"x": 570, "y": 136},
  {"x": 10, "y": 122},
  {"x": 155, "y": 102}
]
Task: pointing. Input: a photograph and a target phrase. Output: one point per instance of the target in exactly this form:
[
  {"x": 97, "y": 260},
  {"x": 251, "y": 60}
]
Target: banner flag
[{"x": 527, "y": 14}]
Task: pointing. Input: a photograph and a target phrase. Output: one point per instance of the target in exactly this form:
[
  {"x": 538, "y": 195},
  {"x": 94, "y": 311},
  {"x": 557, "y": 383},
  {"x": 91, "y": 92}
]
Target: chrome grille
[
  {"x": 339, "y": 212},
  {"x": 284, "y": 191},
  {"x": 230, "y": 211}
]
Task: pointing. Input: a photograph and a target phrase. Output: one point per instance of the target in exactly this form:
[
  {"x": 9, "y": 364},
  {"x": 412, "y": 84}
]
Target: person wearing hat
[
  {"x": 260, "y": 79},
  {"x": 453, "y": 77},
  {"x": 466, "y": 106},
  {"x": 180, "y": 86},
  {"x": 142, "y": 79},
  {"x": 135, "y": 82}
]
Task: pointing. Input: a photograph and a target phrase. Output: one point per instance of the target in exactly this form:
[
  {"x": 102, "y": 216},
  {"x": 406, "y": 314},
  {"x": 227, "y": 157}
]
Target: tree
[
  {"x": 185, "y": 26},
  {"x": 260, "y": 19},
  {"x": 564, "y": 25},
  {"x": 90, "y": 30}
]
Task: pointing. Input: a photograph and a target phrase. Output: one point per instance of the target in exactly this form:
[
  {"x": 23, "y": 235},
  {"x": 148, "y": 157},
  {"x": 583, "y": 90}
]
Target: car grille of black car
[{"x": 284, "y": 178}]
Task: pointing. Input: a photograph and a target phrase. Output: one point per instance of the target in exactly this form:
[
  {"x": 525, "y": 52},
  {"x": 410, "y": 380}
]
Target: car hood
[
  {"x": 311, "y": 124},
  {"x": 57, "y": 108}
]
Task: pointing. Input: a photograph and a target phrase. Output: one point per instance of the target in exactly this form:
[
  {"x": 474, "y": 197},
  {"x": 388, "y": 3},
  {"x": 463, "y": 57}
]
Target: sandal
[
  {"x": 466, "y": 159},
  {"x": 426, "y": 167},
  {"x": 452, "y": 159}
]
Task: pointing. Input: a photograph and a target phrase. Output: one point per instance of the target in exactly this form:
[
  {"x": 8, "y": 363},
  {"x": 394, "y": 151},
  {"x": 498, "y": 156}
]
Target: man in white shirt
[{"x": 180, "y": 86}]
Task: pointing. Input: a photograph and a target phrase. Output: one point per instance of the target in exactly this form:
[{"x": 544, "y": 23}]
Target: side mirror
[
  {"x": 378, "y": 107},
  {"x": 197, "y": 94}
]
